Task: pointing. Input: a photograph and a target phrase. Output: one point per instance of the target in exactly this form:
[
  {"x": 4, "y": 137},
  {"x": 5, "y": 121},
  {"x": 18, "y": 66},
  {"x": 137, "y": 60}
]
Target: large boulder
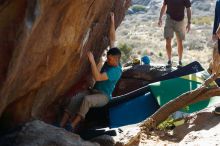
[
  {"x": 138, "y": 76},
  {"x": 38, "y": 133},
  {"x": 43, "y": 47}
]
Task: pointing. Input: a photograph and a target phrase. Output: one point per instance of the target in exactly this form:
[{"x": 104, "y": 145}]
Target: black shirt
[{"x": 175, "y": 8}]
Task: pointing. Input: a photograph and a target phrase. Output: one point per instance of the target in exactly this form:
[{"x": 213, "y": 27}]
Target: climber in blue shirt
[{"x": 106, "y": 79}]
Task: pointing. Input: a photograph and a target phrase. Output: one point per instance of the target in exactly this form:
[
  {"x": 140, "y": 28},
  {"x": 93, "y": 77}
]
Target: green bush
[
  {"x": 168, "y": 123},
  {"x": 138, "y": 8},
  {"x": 126, "y": 51},
  {"x": 202, "y": 20}
]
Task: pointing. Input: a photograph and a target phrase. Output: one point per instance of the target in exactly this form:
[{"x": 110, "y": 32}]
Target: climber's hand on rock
[
  {"x": 90, "y": 56},
  {"x": 112, "y": 16}
]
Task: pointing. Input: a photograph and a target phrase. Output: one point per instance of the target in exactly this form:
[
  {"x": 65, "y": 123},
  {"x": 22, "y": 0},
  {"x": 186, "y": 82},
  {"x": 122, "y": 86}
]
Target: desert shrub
[
  {"x": 124, "y": 32},
  {"x": 170, "y": 123},
  {"x": 202, "y": 20},
  {"x": 138, "y": 8},
  {"x": 195, "y": 44},
  {"x": 126, "y": 52},
  {"x": 167, "y": 124}
]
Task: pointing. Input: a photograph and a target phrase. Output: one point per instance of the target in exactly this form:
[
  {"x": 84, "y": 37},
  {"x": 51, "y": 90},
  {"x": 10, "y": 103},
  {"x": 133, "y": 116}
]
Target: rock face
[
  {"x": 38, "y": 133},
  {"x": 43, "y": 47}
]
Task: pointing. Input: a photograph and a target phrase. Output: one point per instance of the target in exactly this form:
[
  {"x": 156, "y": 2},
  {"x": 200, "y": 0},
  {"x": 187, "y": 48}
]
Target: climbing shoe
[
  {"x": 69, "y": 128},
  {"x": 217, "y": 110},
  {"x": 169, "y": 64},
  {"x": 180, "y": 64}
]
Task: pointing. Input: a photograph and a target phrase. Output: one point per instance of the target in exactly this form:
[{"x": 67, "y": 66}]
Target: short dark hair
[{"x": 114, "y": 51}]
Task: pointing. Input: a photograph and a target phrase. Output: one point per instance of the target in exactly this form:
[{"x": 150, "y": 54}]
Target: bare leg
[
  {"x": 168, "y": 48},
  {"x": 76, "y": 121},
  {"x": 89, "y": 101},
  {"x": 64, "y": 120},
  {"x": 180, "y": 47}
]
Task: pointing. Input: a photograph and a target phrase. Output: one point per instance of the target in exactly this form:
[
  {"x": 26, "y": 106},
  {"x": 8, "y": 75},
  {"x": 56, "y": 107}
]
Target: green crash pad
[{"x": 167, "y": 90}]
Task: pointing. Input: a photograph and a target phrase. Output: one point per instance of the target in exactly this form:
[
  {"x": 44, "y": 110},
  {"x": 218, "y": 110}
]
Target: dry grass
[{"x": 204, "y": 20}]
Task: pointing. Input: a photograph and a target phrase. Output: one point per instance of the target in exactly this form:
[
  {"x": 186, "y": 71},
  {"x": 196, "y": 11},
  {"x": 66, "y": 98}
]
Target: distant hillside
[
  {"x": 141, "y": 2},
  {"x": 199, "y": 7}
]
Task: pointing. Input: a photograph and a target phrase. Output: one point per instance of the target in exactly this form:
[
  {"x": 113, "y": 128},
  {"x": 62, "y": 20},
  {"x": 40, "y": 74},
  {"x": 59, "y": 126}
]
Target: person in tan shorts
[
  {"x": 175, "y": 24},
  {"x": 177, "y": 27}
]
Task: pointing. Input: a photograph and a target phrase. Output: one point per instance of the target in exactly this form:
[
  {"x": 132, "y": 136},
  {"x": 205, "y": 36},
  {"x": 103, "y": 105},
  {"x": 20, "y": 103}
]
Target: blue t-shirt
[
  {"x": 107, "y": 86},
  {"x": 217, "y": 16}
]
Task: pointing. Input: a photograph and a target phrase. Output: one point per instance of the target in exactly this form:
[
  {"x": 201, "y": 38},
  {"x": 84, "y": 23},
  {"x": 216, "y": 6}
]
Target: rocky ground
[{"x": 200, "y": 129}]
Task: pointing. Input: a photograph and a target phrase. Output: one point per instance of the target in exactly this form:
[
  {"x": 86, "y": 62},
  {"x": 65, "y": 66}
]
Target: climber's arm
[
  {"x": 112, "y": 31},
  {"x": 95, "y": 71}
]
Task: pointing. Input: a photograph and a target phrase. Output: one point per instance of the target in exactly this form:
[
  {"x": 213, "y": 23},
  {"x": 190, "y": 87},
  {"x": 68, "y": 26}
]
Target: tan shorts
[
  {"x": 82, "y": 102},
  {"x": 172, "y": 26}
]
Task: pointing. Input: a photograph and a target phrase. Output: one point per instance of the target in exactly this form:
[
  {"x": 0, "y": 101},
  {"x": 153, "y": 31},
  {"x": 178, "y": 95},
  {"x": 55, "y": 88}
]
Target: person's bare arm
[
  {"x": 95, "y": 72},
  {"x": 189, "y": 14},
  {"x": 162, "y": 12},
  {"x": 100, "y": 64},
  {"x": 112, "y": 31}
]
